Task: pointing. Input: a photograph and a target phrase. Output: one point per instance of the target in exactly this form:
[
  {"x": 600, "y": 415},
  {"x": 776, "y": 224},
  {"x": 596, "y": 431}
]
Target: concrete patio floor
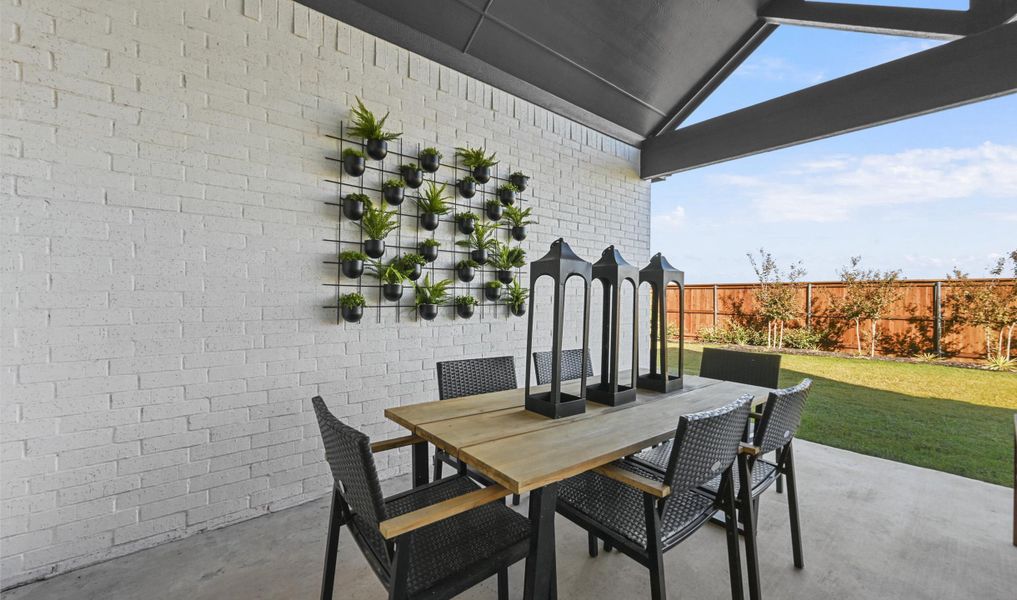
[{"x": 871, "y": 528}]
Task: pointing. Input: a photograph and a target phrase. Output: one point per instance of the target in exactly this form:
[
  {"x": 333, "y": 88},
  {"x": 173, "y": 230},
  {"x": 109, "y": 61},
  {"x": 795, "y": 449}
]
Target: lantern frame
[
  {"x": 659, "y": 273},
  {"x": 613, "y": 271}
]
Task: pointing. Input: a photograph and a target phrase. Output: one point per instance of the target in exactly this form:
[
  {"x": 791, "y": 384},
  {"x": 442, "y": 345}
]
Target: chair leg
[
  {"x": 734, "y": 563},
  {"x": 503, "y": 584},
  {"x": 607, "y": 546},
  {"x": 335, "y": 523},
  {"x": 658, "y": 589},
  {"x": 746, "y": 513},
  {"x": 400, "y": 567},
  {"x": 515, "y": 499},
  {"x": 591, "y": 542},
  {"x": 780, "y": 484},
  {"x": 438, "y": 462},
  {"x": 792, "y": 506}
]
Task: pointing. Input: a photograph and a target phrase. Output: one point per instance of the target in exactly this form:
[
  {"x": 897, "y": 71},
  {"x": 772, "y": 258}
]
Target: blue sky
[{"x": 921, "y": 195}]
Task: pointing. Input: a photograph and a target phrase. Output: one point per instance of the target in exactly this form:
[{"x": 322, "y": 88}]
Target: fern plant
[
  {"x": 508, "y": 257},
  {"x": 518, "y": 217},
  {"x": 433, "y": 200},
  {"x": 366, "y": 125},
  {"x": 517, "y": 294},
  {"x": 431, "y": 293},
  {"x": 392, "y": 273},
  {"x": 482, "y": 238},
  {"x": 476, "y": 157},
  {"x": 377, "y": 222}
]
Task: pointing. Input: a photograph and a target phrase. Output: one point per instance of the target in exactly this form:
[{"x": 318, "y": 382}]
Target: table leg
[
  {"x": 541, "y": 581},
  {"x": 419, "y": 464}
]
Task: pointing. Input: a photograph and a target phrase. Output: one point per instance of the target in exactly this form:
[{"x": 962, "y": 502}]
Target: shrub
[{"x": 802, "y": 338}]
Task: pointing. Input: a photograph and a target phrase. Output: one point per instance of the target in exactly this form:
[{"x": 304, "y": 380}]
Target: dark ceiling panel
[{"x": 447, "y": 21}]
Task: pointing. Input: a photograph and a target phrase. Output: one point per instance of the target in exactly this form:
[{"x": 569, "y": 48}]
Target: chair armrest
[
  {"x": 405, "y": 523},
  {"x": 392, "y": 444},
  {"x": 748, "y": 449},
  {"x": 635, "y": 480}
]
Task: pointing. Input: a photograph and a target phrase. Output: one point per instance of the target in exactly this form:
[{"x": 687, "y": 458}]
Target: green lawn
[{"x": 944, "y": 418}]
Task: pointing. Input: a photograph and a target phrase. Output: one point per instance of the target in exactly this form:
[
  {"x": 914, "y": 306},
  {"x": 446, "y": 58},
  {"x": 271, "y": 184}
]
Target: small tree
[
  {"x": 991, "y": 306},
  {"x": 777, "y": 295},
  {"x": 868, "y": 293}
]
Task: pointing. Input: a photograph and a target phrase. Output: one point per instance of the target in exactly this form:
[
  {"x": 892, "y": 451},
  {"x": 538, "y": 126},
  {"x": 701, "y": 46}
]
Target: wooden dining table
[{"x": 523, "y": 451}]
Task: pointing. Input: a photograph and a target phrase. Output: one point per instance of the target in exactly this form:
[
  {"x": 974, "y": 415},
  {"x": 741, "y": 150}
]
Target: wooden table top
[{"x": 522, "y": 450}]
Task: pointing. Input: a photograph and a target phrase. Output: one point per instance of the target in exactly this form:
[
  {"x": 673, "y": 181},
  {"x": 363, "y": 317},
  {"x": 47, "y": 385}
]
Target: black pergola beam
[
  {"x": 892, "y": 20},
  {"x": 967, "y": 70}
]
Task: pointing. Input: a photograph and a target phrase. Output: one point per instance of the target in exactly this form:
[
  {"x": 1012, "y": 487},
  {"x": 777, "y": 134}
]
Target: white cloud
[
  {"x": 669, "y": 222},
  {"x": 840, "y": 187},
  {"x": 775, "y": 68}
]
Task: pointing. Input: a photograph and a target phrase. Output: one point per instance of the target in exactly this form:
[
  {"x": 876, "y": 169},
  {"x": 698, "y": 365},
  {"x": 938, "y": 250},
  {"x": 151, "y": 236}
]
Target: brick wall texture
[{"x": 163, "y": 192}]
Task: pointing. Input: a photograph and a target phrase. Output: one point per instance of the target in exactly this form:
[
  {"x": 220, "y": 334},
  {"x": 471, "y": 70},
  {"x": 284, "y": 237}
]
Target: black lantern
[
  {"x": 612, "y": 271},
  {"x": 561, "y": 264},
  {"x": 659, "y": 273}
]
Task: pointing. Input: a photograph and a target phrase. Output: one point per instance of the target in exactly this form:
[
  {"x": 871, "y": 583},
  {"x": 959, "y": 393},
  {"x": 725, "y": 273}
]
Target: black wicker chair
[
  {"x": 457, "y": 378},
  {"x": 644, "y": 513},
  {"x": 750, "y": 368},
  {"x": 571, "y": 365},
  {"x": 415, "y": 555}
]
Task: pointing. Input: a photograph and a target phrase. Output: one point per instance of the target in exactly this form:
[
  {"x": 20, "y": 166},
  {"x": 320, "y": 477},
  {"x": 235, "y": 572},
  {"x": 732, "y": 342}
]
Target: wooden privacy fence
[{"x": 919, "y": 321}]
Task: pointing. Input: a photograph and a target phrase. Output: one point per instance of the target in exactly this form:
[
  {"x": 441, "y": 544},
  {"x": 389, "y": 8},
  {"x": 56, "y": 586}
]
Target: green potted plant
[
  {"x": 412, "y": 265},
  {"x": 466, "y": 221},
  {"x": 352, "y": 307},
  {"x": 492, "y": 290},
  {"x": 520, "y": 180},
  {"x": 466, "y": 270},
  {"x": 429, "y": 249},
  {"x": 352, "y": 263},
  {"x": 412, "y": 175},
  {"x": 507, "y": 194},
  {"x": 517, "y": 296},
  {"x": 506, "y": 259},
  {"x": 430, "y": 159},
  {"x": 518, "y": 219},
  {"x": 478, "y": 161},
  {"x": 494, "y": 209},
  {"x": 354, "y": 162},
  {"x": 480, "y": 242},
  {"x": 365, "y": 125},
  {"x": 432, "y": 202},
  {"x": 465, "y": 306},
  {"x": 392, "y": 191},
  {"x": 430, "y": 295},
  {"x": 354, "y": 206},
  {"x": 391, "y": 278},
  {"x": 467, "y": 187},
  {"x": 377, "y": 224}
]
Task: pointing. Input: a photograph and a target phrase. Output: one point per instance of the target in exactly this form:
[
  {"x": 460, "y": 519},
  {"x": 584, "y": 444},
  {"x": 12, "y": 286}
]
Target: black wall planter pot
[
  {"x": 479, "y": 256},
  {"x": 520, "y": 181},
  {"x": 466, "y": 225},
  {"x": 467, "y": 189},
  {"x": 429, "y": 221},
  {"x": 392, "y": 291},
  {"x": 430, "y": 253},
  {"x": 507, "y": 197},
  {"x": 519, "y": 233},
  {"x": 492, "y": 293},
  {"x": 427, "y": 312},
  {"x": 415, "y": 273},
  {"x": 518, "y": 309},
  {"x": 352, "y": 314},
  {"x": 505, "y": 276},
  {"x": 429, "y": 162},
  {"x": 413, "y": 177},
  {"x": 466, "y": 274},
  {"x": 393, "y": 195},
  {"x": 494, "y": 211},
  {"x": 354, "y": 165},
  {"x": 353, "y": 268},
  {"x": 482, "y": 174},
  {"x": 465, "y": 310},
  {"x": 374, "y": 248},
  {"x": 377, "y": 149},
  {"x": 353, "y": 209}
]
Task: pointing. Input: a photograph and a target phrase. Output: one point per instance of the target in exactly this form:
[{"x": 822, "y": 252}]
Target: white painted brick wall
[{"x": 162, "y": 211}]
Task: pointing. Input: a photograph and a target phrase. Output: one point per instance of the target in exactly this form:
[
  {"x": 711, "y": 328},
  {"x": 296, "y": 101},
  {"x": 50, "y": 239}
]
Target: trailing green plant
[
  {"x": 392, "y": 273},
  {"x": 465, "y": 300},
  {"x": 476, "y": 157},
  {"x": 431, "y": 152},
  {"x": 507, "y": 187},
  {"x": 517, "y": 294},
  {"x": 431, "y": 242},
  {"x": 353, "y": 152},
  {"x": 352, "y": 300},
  {"x": 493, "y": 284},
  {"x": 395, "y": 182},
  {"x": 508, "y": 257},
  {"x": 518, "y": 217},
  {"x": 464, "y": 216},
  {"x": 469, "y": 263},
  {"x": 482, "y": 238},
  {"x": 365, "y": 125},
  {"x": 406, "y": 262},
  {"x": 349, "y": 255},
  {"x": 377, "y": 222},
  {"x": 431, "y": 293},
  {"x": 433, "y": 199}
]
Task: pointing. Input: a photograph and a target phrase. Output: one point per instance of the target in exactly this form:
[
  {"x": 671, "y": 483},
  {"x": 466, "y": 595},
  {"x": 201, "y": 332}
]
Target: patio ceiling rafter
[{"x": 973, "y": 68}]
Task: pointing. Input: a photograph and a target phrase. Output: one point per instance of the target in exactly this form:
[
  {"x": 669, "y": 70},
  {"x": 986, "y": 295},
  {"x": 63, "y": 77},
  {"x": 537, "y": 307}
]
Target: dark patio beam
[
  {"x": 893, "y": 20},
  {"x": 974, "y": 68}
]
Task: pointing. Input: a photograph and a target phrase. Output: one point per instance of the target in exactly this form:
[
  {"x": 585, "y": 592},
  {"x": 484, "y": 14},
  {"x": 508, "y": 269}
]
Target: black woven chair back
[
  {"x": 349, "y": 455},
  {"x": 470, "y": 376},
  {"x": 571, "y": 365},
  {"x": 705, "y": 444},
  {"x": 781, "y": 416},
  {"x": 750, "y": 368}
]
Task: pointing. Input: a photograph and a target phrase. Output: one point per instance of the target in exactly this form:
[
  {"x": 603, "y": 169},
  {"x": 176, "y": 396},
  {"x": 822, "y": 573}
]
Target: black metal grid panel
[{"x": 390, "y": 167}]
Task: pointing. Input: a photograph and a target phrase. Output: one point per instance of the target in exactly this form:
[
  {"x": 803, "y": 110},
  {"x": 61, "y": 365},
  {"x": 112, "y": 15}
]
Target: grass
[{"x": 954, "y": 420}]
